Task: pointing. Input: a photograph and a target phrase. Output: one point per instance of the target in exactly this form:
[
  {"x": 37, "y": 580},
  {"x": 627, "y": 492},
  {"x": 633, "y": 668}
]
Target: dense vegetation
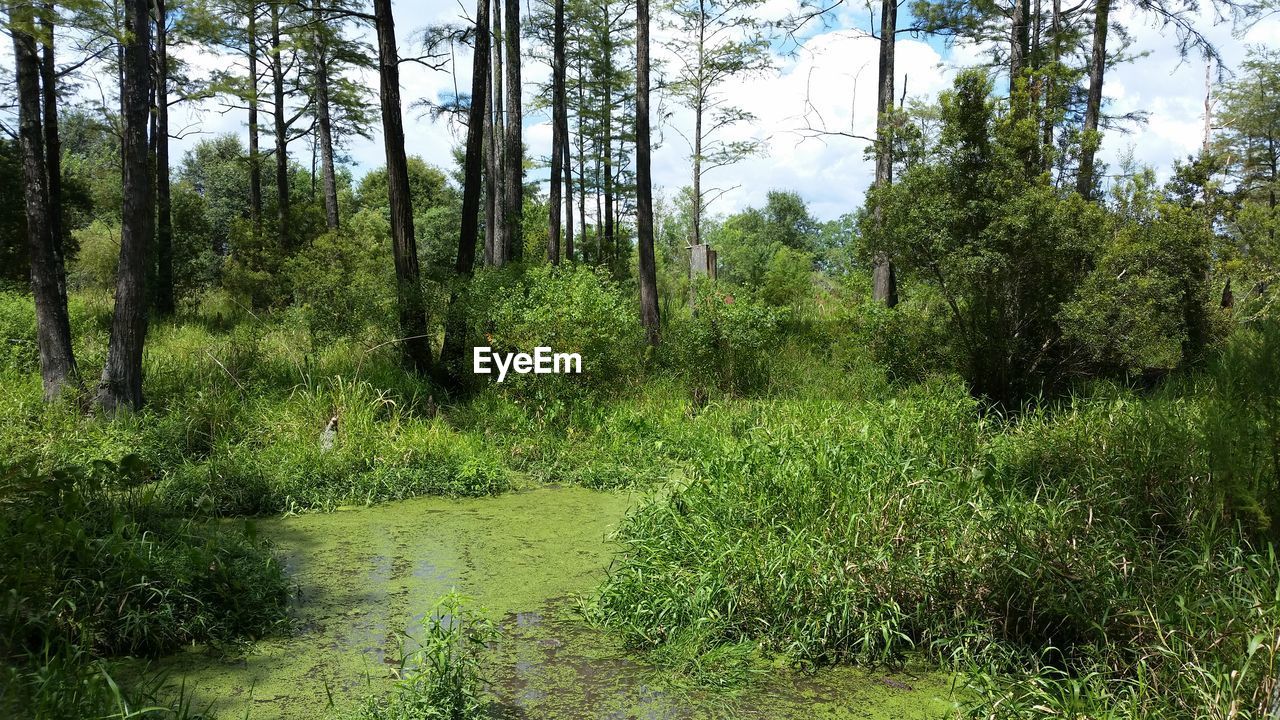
[{"x": 1015, "y": 417}]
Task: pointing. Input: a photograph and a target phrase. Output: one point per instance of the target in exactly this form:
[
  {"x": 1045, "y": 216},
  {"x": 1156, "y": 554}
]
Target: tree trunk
[
  {"x": 53, "y": 150},
  {"x": 53, "y": 328},
  {"x": 500, "y": 256},
  {"x": 164, "y": 204},
  {"x": 567, "y": 165},
  {"x": 513, "y": 189},
  {"x": 281, "y": 131},
  {"x": 490, "y": 175},
  {"x": 607, "y": 154},
  {"x": 324, "y": 123},
  {"x": 1050, "y": 87},
  {"x": 884, "y": 286},
  {"x": 1093, "y": 106},
  {"x": 413, "y": 311},
  {"x": 255, "y": 160},
  {"x": 582, "y": 166},
  {"x": 697, "y": 142},
  {"x": 121, "y": 383},
  {"x": 644, "y": 182},
  {"x": 557, "y": 136},
  {"x": 455, "y": 333},
  {"x": 1020, "y": 40}
]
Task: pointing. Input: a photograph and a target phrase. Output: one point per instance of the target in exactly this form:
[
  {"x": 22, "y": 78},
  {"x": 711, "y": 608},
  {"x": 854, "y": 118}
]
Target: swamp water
[{"x": 365, "y": 577}]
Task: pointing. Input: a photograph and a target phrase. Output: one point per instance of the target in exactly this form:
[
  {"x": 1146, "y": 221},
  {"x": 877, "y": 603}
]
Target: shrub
[
  {"x": 571, "y": 309},
  {"x": 91, "y": 571},
  {"x": 726, "y": 345},
  {"x": 440, "y": 679}
]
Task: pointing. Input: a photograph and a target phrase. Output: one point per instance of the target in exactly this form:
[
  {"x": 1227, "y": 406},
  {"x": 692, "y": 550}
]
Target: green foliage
[
  {"x": 788, "y": 280},
  {"x": 91, "y": 571},
  {"x": 441, "y": 679},
  {"x": 94, "y": 266},
  {"x": 1242, "y": 425},
  {"x": 343, "y": 282},
  {"x": 1144, "y": 305},
  {"x": 726, "y": 345},
  {"x": 571, "y": 309},
  {"x": 1076, "y": 556}
]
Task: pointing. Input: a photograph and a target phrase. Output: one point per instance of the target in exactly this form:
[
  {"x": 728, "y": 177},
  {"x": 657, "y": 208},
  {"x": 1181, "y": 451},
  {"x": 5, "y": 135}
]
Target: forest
[{"x": 994, "y": 433}]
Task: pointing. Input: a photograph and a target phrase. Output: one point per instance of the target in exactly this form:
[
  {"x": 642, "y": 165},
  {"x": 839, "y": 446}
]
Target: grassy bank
[{"x": 828, "y": 492}]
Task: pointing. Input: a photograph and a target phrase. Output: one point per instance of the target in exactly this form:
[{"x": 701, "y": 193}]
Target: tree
[
  {"x": 121, "y": 383},
  {"x": 410, "y": 298},
  {"x": 1250, "y": 142},
  {"x": 455, "y": 326},
  {"x": 559, "y": 134},
  {"x": 718, "y": 41},
  {"x": 1004, "y": 248},
  {"x": 164, "y": 202},
  {"x": 884, "y": 286},
  {"x": 53, "y": 328},
  {"x": 513, "y": 150},
  {"x": 644, "y": 182}
]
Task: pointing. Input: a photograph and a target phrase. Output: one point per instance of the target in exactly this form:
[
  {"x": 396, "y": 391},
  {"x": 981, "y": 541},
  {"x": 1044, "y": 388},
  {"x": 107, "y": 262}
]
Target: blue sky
[{"x": 836, "y": 70}]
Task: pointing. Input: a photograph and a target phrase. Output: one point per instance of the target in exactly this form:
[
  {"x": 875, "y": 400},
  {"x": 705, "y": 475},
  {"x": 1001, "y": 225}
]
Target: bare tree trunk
[
  {"x": 884, "y": 286},
  {"x": 1050, "y": 88},
  {"x": 582, "y": 168},
  {"x": 164, "y": 204},
  {"x": 121, "y": 383},
  {"x": 255, "y": 157},
  {"x": 455, "y": 333},
  {"x": 1020, "y": 40},
  {"x": 53, "y": 328},
  {"x": 557, "y": 135},
  {"x": 53, "y": 150},
  {"x": 324, "y": 123},
  {"x": 281, "y": 130},
  {"x": 567, "y": 165},
  {"x": 513, "y": 189},
  {"x": 413, "y": 311},
  {"x": 1093, "y": 106},
  {"x": 490, "y": 175},
  {"x": 500, "y": 256},
  {"x": 644, "y": 183},
  {"x": 607, "y": 154},
  {"x": 699, "y": 109}
]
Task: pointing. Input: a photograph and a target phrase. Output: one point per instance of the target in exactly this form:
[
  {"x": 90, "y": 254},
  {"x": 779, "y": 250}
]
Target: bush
[
  {"x": 91, "y": 571},
  {"x": 343, "y": 282},
  {"x": 571, "y": 309},
  {"x": 727, "y": 345},
  {"x": 440, "y": 679}
]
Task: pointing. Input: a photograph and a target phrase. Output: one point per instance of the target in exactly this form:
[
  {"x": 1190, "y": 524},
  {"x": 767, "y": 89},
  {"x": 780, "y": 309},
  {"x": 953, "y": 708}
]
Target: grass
[{"x": 824, "y": 496}]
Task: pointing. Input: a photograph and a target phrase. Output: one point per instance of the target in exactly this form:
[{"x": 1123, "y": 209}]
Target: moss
[{"x": 365, "y": 576}]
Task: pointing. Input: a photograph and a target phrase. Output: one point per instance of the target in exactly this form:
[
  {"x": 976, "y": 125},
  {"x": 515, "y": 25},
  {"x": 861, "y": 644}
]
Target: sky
[{"x": 833, "y": 75}]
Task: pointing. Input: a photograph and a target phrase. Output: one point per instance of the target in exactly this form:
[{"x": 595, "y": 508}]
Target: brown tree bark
[
  {"x": 324, "y": 121},
  {"x": 557, "y": 134},
  {"x": 498, "y": 138},
  {"x": 1020, "y": 39},
  {"x": 644, "y": 183},
  {"x": 53, "y": 328},
  {"x": 490, "y": 175},
  {"x": 513, "y": 188},
  {"x": 884, "y": 286},
  {"x": 455, "y": 332},
  {"x": 281, "y": 129},
  {"x": 567, "y": 166},
  {"x": 1093, "y": 105},
  {"x": 53, "y": 147},
  {"x": 121, "y": 383},
  {"x": 255, "y": 152},
  {"x": 412, "y": 304},
  {"x": 164, "y": 296}
]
